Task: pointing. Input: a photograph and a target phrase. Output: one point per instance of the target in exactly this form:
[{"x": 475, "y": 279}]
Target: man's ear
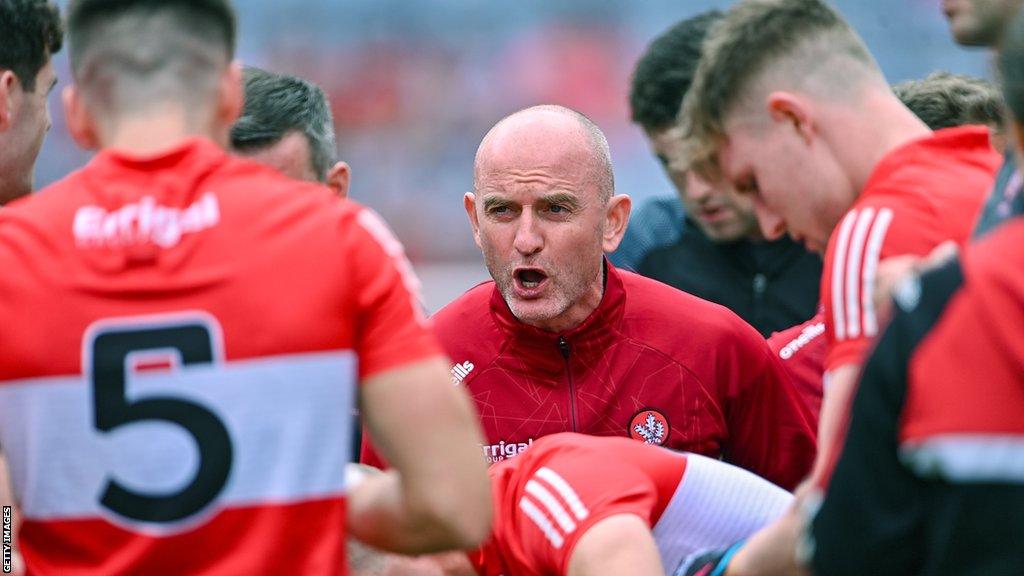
[
  {"x": 792, "y": 109},
  {"x": 469, "y": 203},
  {"x": 616, "y": 219},
  {"x": 339, "y": 177},
  {"x": 8, "y": 82},
  {"x": 81, "y": 124},
  {"x": 232, "y": 95}
]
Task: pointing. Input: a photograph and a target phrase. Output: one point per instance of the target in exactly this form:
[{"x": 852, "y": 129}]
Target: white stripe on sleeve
[
  {"x": 548, "y": 500},
  {"x": 566, "y": 491},
  {"x": 853, "y": 275},
  {"x": 542, "y": 522},
  {"x": 874, "y": 250},
  {"x": 838, "y": 259}
]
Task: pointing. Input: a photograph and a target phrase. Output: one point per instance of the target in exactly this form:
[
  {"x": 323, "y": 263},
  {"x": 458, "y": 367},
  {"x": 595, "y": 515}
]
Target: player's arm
[
  {"x": 839, "y": 386},
  {"x": 619, "y": 544},
  {"x": 437, "y": 495}
]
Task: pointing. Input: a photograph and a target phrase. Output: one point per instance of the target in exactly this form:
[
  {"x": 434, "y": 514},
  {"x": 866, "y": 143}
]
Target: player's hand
[{"x": 892, "y": 271}]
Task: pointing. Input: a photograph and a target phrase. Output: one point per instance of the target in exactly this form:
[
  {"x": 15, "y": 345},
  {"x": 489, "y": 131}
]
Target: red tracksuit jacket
[{"x": 652, "y": 362}]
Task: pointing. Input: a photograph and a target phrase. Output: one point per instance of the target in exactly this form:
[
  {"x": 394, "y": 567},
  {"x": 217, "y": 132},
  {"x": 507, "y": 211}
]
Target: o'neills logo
[
  {"x": 649, "y": 426},
  {"x": 502, "y": 450},
  {"x": 460, "y": 371},
  {"x": 144, "y": 221},
  {"x": 806, "y": 335}
]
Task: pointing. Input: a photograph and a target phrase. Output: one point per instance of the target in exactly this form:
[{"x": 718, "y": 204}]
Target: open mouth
[
  {"x": 528, "y": 280},
  {"x": 712, "y": 214}
]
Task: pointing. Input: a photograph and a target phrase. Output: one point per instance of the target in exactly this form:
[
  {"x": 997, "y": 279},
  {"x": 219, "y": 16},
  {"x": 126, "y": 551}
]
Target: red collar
[{"x": 924, "y": 150}]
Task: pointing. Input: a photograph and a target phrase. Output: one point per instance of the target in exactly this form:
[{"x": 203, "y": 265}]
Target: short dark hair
[
  {"x": 665, "y": 71},
  {"x": 1011, "y": 66},
  {"x": 30, "y": 32},
  {"x": 276, "y": 104},
  {"x": 140, "y": 51},
  {"x": 945, "y": 100}
]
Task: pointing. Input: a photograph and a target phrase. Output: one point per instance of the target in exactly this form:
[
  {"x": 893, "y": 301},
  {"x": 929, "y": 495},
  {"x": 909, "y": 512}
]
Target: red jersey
[
  {"x": 802, "y": 351},
  {"x": 546, "y": 499},
  {"x": 930, "y": 477},
  {"x": 651, "y": 362},
  {"x": 964, "y": 409},
  {"x": 920, "y": 195},
  {"x": 181, "y": 334}
]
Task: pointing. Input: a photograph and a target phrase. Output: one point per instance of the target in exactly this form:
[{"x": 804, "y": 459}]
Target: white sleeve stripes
[
  {"x": 858, "y": 247},
  {"x": 553, "y": 506}
]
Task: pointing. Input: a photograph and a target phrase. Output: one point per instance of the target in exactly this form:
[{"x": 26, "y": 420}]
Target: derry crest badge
[{"x": 650, "y": 427}]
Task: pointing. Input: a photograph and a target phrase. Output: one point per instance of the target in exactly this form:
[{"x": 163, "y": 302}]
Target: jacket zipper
[{"x": 566, "y": 351}]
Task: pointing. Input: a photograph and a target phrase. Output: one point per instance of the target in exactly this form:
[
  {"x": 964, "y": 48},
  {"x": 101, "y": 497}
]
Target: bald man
[{"x": 561, "y": 341}]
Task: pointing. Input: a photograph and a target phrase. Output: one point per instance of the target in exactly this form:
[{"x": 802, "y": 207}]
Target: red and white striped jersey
[
  {"x": 183, "y": 335},
  {"x": 546, "y": 499},
  {"x": 919, "y": 196}
]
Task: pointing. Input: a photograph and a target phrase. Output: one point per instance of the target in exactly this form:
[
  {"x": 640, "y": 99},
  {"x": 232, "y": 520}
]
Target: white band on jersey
[
  {"x": 715, "y": 505},
  {"x": 288, "y": 417}
]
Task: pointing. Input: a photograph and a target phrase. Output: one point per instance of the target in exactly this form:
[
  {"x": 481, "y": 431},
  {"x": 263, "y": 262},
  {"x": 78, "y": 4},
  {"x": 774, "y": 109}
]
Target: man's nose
[
  {"x": 528, "y": 235},
  {"x": 772, "y": 226}
]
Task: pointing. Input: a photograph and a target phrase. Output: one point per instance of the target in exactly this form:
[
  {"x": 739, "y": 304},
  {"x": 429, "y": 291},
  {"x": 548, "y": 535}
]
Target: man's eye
[
  {"x": 557, "y": 209},
  {"x": 748, "y": 187}
]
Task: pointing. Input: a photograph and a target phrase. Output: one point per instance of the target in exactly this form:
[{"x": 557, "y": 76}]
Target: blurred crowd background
[{"x": 415, "y": 84}]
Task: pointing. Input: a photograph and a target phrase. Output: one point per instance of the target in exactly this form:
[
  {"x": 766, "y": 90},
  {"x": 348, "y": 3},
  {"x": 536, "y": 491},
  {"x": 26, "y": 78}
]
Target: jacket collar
[{"x": 589, "y": 338}]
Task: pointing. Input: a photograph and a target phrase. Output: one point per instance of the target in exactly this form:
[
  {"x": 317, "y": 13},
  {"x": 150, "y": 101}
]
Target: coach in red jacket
[{"x": 562, "y": 341}]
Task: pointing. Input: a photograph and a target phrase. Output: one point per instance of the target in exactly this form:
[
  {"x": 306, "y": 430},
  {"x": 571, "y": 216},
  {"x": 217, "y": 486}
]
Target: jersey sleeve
[
  {"x": 392, "y": 329},
  {"x": 870, "y": 520},
  {"x": 561, "y": 501},
  {"x": 770, "y": 430},
  {"x": 864, "y": 237}
]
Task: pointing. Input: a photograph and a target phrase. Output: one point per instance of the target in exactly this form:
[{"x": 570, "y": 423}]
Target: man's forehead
[
  {"x": 533, "y": 167},
  {"x": 733, "y": 158}
]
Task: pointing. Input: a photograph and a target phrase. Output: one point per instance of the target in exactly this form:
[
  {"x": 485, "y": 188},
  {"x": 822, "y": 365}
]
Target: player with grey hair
[{"x": 287, "y": 124}]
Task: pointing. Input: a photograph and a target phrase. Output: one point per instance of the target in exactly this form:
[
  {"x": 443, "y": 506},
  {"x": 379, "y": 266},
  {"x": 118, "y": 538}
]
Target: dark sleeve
[
  {"x": 770, "y": 430},
  {"x": 1005, "y": 199},
  {"x": 657, "y": 223},
  {"x": 872, "y": 518}
]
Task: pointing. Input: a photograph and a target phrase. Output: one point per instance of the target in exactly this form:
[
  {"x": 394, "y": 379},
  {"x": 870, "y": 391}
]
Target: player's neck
[
  {"x": 893, "y": 126},
  {"x": 153, "y": 131}
]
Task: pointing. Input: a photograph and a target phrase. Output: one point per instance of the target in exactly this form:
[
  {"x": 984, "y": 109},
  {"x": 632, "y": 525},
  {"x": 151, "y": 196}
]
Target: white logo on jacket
[{"x": 460, "y": 371}]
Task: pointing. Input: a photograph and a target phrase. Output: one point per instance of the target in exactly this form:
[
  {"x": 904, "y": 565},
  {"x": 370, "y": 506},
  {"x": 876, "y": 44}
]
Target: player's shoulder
[
  {"x": 248, "y": 182},
  {"x": 466, "y": 327},
  {"x": 468, "y": 311},
  {"x": 33, "y": 226},
  {"x": 949, "y": 170},
  {"x": 791, "y": 341}
]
